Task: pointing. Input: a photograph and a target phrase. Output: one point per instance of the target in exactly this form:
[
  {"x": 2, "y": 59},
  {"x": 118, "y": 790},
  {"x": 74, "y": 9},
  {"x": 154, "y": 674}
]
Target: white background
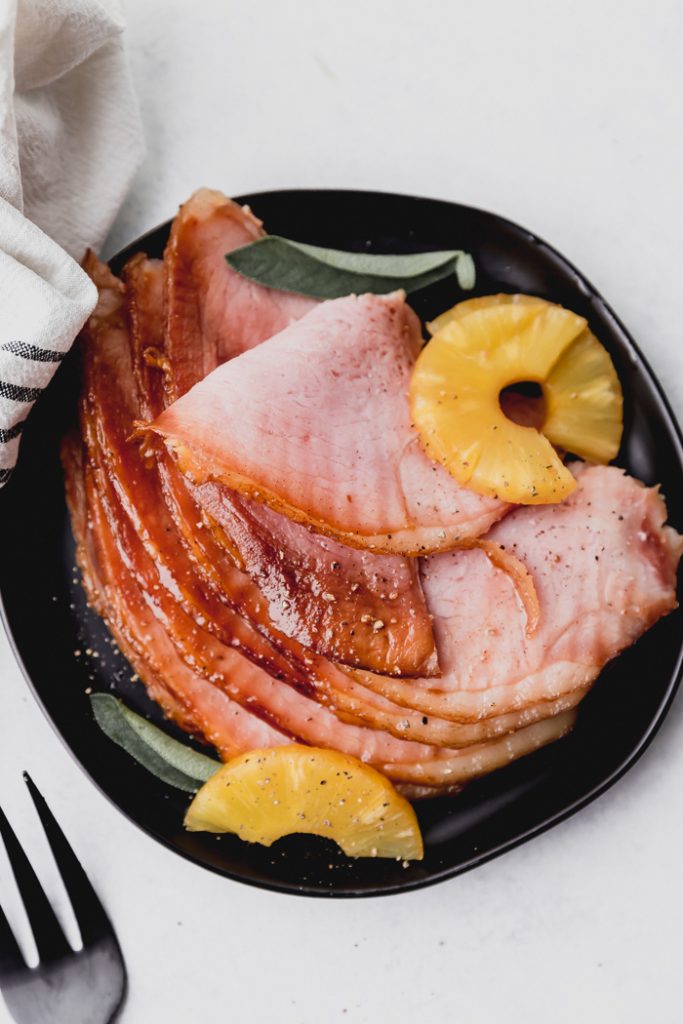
[{"x": 567, "y": 118}]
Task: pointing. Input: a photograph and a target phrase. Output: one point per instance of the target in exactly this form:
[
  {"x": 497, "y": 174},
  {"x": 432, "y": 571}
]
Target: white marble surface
[{"x": 566, "y": 118}]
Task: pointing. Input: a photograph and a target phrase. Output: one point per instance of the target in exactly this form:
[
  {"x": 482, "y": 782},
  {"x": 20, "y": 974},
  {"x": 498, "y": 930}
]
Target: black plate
[{"x": 47, "y": 618}]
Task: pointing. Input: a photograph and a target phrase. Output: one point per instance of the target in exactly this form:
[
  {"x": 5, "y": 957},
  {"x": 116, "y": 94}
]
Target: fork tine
[
  {"x": 90, "y": 914},
  {"x": 11, "y": 958},
  {"x": 47, "y": 931}
]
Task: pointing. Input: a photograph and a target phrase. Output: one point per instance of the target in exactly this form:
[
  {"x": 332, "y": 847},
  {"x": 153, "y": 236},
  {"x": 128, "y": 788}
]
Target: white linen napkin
[{"x": 70, "y": 142}]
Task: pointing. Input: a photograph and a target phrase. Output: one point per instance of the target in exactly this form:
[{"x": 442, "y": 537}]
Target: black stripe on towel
[
  {"x": 5, "y": 474},
  {"x": 26, "y": 351},
  {"x": 17, "y": 393},
  {"x": 11, "y": 432}
]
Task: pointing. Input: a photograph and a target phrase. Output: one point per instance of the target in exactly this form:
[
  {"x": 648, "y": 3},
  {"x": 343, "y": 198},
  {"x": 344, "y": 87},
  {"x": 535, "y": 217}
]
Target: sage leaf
[
  {"x": 171, "y": 761},
  {"x": 331, "y": 273}
]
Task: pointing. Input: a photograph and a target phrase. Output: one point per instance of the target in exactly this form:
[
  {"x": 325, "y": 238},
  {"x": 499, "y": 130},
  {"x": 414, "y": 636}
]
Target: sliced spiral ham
[
  {"x": 320, "y": 594},
  {"x": 112, "y": 401},
  {"x": 145, "y": 567},
  {"x": 227, "y": 608},
  {"x": 149, "y": 616}
]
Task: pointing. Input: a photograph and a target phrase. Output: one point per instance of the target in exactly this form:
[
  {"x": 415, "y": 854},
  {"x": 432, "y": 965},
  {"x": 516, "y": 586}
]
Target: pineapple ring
[
  {"x": 266, "y": 794},
  {"x": 590, "y": 427},
  {"x": 482, "y": 346}
]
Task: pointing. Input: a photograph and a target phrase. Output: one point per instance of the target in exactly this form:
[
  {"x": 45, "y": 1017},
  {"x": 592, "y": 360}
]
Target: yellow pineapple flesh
[
  {"x": 584, "y": 404},
  {"x": 266, "y": 794},
  {"x": 461, "y": 309},
  {"x": 484, "y": 345}
]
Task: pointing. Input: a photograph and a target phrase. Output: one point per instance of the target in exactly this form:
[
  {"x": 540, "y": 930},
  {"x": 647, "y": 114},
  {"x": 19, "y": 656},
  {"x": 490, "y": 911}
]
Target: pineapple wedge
[
  {"x": 482, "y": 346},
  {"x": 584, "y": 404},
  {"x": 266, "y": 794}
]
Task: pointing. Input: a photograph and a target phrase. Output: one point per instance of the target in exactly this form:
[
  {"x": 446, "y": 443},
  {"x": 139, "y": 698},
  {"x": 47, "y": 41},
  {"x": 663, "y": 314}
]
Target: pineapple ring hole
[{"x": 523, "y": 402}]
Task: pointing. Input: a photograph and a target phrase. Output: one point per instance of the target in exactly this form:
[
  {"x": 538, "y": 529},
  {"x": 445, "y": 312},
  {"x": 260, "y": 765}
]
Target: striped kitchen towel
[{"x": 70, "y": 142}]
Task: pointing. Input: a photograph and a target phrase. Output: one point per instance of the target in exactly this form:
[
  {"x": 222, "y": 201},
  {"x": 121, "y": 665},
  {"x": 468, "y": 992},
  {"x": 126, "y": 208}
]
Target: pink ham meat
[
  {"x": 320, "y": 593},
  {"x": 192, "y": 702},
  {"x": 604, "y": 566},
  {"x": 159, "y": 617},
  {"x": 210, "y": 703},
  {"x": 364, "y": 608},
  {"x": 209, "y": 583},
  {"x": 315, "y": 423},
  {"x": 113, "y": 396},
  {"x": 213, "y": 313},
  {"x": 151, "y": 603},
  {"x": 166, "y": 568},
  {"x": 241, "y": 707}
]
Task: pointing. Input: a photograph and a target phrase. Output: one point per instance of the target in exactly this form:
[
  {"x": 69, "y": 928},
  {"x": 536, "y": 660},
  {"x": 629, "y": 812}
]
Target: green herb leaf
[
  {"x": 330, "y": 273},
  {"x": 168, "y": 759}
]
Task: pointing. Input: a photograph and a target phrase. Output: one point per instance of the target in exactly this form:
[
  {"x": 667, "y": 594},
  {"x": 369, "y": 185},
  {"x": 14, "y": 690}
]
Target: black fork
[{"x": 66, "y": 987}]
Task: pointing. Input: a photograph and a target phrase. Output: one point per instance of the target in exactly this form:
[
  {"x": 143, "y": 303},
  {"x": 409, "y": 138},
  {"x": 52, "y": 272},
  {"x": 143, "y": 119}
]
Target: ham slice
[
  {"x": 604, "y": 568},
  {"x": 473, "y": 762},
  {"x": 315, "y": 423},
  {"x": 365, "y": 609},
  {"x": 213, "y": 313}
]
